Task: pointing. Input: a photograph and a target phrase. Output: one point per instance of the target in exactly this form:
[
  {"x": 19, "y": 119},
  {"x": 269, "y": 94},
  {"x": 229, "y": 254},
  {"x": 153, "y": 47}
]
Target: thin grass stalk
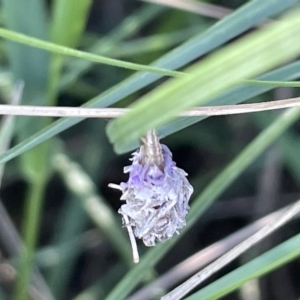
[
  {"x": 33, "y": 202},
  {"x": 205, "y": 9},
  {"x": 180, "y": 291},
  {"x": 110, "y": 113},
  {"x": 263, "y": 264},
  {"x": 54, "y": 48}
]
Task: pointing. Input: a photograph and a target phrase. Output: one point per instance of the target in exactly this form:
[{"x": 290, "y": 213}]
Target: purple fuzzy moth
[{"x": 156, "y": 194}]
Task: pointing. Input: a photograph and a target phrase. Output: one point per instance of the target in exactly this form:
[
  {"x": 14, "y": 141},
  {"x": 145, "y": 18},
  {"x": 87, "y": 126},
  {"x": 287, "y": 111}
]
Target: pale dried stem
[
  {"x": 206, "y": 9},
  {"x": 50, "y": 111},
  {"x": 184, "y": 288},
  {"x": 135, "y": 253}
]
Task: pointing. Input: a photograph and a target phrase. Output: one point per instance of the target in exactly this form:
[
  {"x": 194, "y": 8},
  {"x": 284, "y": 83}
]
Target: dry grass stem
[
  {"x": 53, "y": 111},
  {"x": 187, "y": 286},
  {"x": 202, "y": 258},
  {"x": 206, "y": 9}
]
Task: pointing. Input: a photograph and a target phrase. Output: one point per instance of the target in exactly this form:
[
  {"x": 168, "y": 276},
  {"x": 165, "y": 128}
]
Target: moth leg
[
  {"x": 135, "y": 253},
  {"x": 114, "y": 186}
]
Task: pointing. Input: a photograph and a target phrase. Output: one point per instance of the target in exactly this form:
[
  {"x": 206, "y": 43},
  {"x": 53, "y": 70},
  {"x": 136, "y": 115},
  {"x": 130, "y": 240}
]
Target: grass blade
[
  {"x": 233, "y": 253},
  {"x": 273, "y": 83},
  {"x": 81, "y": 185},
  {"x": 68, "y": 22},
  {"x": 31, "y": 65},
  {"x": 200, "y": 259},
  {"x": 71, "y": 223},
  {"x": 236, "y": 95},
  {"x": 54, "y": 48},
  {"x": 243, "y": 59},
  {"x": 258, "y": 267},
  {"x": 156, "y": 42},
  {"x": 128, "y": 27},
  {"x": 239, "y": 21}
]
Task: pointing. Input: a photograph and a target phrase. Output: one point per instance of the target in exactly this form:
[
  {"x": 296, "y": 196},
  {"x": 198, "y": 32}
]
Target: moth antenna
[{"x": 135, "y": 253}]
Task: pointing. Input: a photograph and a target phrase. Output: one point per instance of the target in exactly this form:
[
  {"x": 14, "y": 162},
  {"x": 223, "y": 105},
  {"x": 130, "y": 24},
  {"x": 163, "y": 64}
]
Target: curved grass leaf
[
  {"x": 234, "y": 96},
  {"x": 239, "y": 21},
  {"x": 265, "y": 263},
  {"x": 206, "y": 198},
  {"x": 248, "y": 57},
  {"x": 54, "y": 48}
]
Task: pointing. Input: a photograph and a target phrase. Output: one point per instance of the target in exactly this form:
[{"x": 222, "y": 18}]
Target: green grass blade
[
  {"x": 229, "y": 27},
  {"x": 68, "y": 22},
  {"x": 156, "y": 42},
  {"x": 265, "y": 263},
  {"x": 61, "y": 253},
  {"x": 54, "y": 48},
  {"x": 206, "y": 198},
  {"x": 128, "y": 27},
  {"x": 239, "y": 21},
  {"x": 248, "y": 57},
  {"x": 273, "y": 83},
  {"x": 96, "y": 208},
  {"x": 31, "y": 65},
  {"x": 27, "y": 62},
  {"x": 289, "y": 143},
  {"x": 8, "y": 122},
  {"x": 31, "y": 225},
  {"x": 71, "y": 223},
  {"x": 234, "y": 96}
]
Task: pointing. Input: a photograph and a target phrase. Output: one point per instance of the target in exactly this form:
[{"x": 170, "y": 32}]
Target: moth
[{"x": 156, "y": 194}]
